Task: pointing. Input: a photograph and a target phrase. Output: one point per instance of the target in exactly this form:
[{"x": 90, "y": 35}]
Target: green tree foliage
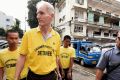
[
  {"x": 2, "y": 32},
  {"x": 17, "y": 27},
  {"x": 32, "y": 20}
]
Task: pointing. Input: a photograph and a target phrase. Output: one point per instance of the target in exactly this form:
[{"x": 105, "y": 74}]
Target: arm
[
  {"x": 69, "y": 74},
  {"x": 1, "y": 73},
  {"x": 19, "y": 66},
  {"x": 71, "y": 64},
  {"x": 72, "y": 56},
  {"x": 102, "y": 63},
  {"x": 58, "y": 64},
  {"x": 57, "y": 56},
  {"x": 71, "y": 60},
  {"x": 61, "y": 69},
  {"x": 99, "y": 74}
]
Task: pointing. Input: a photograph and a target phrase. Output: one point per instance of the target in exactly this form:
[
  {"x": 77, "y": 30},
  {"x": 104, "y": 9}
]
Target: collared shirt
[
  {"x": 108, "y": 60},
  {"x": 45, "y": 37},
  {"x": 41, "y": 53}
]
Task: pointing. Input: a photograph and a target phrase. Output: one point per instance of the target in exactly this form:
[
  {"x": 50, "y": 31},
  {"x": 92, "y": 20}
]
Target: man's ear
[
  {"x": 52, "y": 15},
  {"x": 116, "y": 40}
]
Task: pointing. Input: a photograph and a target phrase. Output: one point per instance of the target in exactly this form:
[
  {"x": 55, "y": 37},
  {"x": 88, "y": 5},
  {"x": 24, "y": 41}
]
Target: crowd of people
[{"x": 41, "y": 56}]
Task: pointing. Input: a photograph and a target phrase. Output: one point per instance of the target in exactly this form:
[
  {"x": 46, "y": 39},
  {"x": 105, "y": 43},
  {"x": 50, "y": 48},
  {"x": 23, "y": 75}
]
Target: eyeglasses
[{"x": 118, "y": 38}]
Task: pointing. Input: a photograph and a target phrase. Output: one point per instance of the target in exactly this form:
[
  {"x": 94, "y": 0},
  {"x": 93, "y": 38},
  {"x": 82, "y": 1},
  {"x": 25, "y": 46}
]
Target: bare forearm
[
  {"x": 58, "y": 64},
  {"x": 19, "y": 66},
  {"x": 1, "y": 73},
  {"x": 99, "y": 74},
  {"x": 71, "y": 64}
]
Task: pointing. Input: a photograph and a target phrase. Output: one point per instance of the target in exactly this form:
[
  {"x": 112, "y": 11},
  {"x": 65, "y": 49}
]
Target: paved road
[{"x": 83, "y": 73}]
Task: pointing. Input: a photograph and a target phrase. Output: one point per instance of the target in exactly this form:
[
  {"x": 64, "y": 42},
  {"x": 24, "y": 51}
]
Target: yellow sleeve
[
  {"x": 73, "y": 53},
  {"x": 24, "y": 45},
  {"x": 1, "y": 63},
  {"x": 58, "y": 47}
]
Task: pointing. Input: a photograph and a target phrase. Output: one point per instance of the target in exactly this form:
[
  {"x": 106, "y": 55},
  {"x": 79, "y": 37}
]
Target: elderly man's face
[{"x": 44, "y": 16}]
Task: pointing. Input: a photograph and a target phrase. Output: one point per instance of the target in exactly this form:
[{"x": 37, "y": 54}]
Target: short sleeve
[
  {"x": 58, "y": 47},
  {"x": 24, "y": 45},
  {"x": 103, "y": 61},
  {"x": 1, "y": 62},
  {"x": 73, "y": 52}
]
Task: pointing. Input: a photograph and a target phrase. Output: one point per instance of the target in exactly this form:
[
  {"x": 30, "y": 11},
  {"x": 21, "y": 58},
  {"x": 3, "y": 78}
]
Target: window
[
  {"x": 7, "y": 19},
  {"x": 116, "y": 15},
  {"x": 63, "y": 17},
  {"x": 82, "y": 50},
  {"x": 90, "y": 8},
  {"x": 96, "y": 18},
  {"x": 78, "y": 28},
  {"x": 79, "y": 14},
  {"x": 76, "y": 15},
  {"x": 96, "y": 33},
  {"x": 106, "y": 34},
  {"x": 60, "y": 20},
  {"x": 114, "y": 35},
  {"x": 98, "y": 10},
  {"x": 95, "y": 49},
  {"x": 75, "y": 46},
  {"x": 81, "y": 2},
  {"x": 108, "y": 13}
]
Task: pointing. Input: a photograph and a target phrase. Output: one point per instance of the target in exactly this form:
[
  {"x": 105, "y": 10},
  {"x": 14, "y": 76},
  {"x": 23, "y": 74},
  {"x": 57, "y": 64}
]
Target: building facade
[
  {"x": 89, "y": 20},
  {"x": 6, "y": 22}
]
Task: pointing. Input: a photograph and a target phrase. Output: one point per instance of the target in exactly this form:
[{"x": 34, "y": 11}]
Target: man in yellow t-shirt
[
  {"x": 67, "y": 55},
  {"x": 42, "y": 46},
  {"x": 9, "y": 56}
]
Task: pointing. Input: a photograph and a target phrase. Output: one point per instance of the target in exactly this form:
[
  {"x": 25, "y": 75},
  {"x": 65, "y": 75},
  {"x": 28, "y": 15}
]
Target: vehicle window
[
  {"x": 106, "y": 48},
  {"x": 95, "y": 49},
  {"x": 82, "y": 50},
  {"x": 75, "y": 46}
]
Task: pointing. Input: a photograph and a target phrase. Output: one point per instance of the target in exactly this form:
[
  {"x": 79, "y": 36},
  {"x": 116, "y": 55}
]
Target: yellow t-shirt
[
  {"x": 8, "y": 60},
  {"x": 65, "y": 55},
  {"x": 41, "y": 53}
]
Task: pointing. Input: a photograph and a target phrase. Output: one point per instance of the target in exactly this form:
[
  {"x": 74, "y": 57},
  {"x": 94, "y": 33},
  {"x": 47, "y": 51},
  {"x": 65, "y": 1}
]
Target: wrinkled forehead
[{"x": 42, "y": 8}]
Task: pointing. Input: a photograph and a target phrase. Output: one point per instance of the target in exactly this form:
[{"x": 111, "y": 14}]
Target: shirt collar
[
  {"x": 38, "y": 29},
  {"x": 52, "y": 32}
]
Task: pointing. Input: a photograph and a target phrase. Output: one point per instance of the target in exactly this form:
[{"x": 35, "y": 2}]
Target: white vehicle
[
  {"x": 5, "y": 44},
  {"x": 107, "y": 46},
  {"x": 1, "y": 41}
]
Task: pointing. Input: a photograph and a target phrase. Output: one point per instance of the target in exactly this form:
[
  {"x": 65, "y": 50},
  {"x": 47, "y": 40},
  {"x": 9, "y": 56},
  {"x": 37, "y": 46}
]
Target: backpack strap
[{"x": 113, "y": 68}]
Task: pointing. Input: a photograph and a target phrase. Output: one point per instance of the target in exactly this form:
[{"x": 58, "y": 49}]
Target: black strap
[{"x": 113, "y": 68}]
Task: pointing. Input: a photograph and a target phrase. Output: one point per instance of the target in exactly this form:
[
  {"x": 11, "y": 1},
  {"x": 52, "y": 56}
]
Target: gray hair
[{"x": 48, "y": 5}]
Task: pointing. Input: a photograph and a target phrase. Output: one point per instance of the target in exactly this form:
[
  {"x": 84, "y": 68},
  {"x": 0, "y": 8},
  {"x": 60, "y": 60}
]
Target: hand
[
  {"x": 16, "y": 79},
  {"x": 59, "y": 76},
  {"x": 69, "y": 76},
  {"x": 62, "y": 74}
]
